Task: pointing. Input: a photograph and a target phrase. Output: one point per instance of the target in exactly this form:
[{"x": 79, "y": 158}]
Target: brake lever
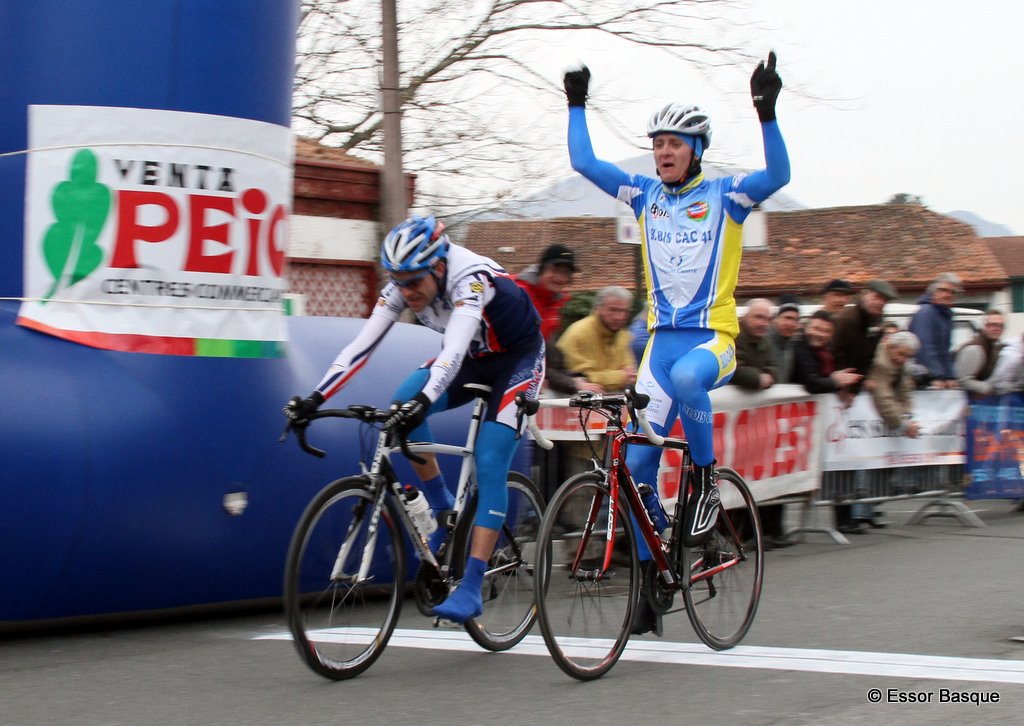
[{"x": 300, "y": 434}]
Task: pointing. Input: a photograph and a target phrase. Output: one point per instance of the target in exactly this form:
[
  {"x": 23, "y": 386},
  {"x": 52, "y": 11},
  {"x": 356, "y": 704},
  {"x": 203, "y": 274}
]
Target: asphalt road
[{"x": 925, "y": 614}]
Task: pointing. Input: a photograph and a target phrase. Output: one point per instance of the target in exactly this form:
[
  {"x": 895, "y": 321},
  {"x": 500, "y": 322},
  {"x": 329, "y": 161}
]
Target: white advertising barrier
[
  {"x": 770, "y": 437},
  {"x": 157, "y": 231},
  {"x": 857, "y": 438}
]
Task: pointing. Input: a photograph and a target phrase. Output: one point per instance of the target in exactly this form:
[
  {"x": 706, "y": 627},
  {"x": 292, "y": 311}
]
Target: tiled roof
[
  {"x": 908, "y": 245},
  {"x": 600, "y": 259},
  {"x": 1010, "y": 253},
  {"x": 310, "y": 150}
]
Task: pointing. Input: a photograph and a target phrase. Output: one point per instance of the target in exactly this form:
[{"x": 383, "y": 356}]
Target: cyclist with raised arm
[
  {"x": 691, "y": 239},
  {"x": 490, "y": 335}
]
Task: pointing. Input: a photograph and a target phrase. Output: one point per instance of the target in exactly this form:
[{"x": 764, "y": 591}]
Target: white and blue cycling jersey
[
  {"x": 691, "y": 233},
  {"x": 480, "y": 312}
]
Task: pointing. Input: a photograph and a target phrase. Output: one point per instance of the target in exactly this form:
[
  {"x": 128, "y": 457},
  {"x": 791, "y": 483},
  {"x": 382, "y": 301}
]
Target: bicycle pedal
[{"x": 445, "y": 623}]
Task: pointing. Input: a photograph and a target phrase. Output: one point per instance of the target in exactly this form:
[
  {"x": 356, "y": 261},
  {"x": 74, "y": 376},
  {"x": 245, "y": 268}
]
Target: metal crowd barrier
[{"x": 941, "y": 485}]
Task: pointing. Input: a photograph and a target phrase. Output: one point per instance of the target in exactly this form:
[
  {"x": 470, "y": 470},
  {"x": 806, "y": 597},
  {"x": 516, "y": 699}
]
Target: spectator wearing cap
[
  {"x": 933, "y": 326},
  {"x": 836, "y": 295},
  {"x": 859, "y": 329},
  {"x": 783, "y": 334},
  {"x": 546, "y": 283}
]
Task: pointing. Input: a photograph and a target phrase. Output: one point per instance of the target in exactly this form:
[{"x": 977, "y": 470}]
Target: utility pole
[{"x": 392, "y": 199}]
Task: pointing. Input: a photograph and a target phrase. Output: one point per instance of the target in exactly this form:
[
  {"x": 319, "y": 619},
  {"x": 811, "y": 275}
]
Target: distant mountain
[{"x": 982, "y": 227}]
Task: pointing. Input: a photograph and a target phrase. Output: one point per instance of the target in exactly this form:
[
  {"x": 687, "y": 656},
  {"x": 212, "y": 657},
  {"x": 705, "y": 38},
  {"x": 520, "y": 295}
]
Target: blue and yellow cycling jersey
[{"x": 691, "y": 233}]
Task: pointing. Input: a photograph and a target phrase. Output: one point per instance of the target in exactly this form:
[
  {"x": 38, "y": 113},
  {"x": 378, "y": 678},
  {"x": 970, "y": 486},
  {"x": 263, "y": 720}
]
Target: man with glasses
[
  {"x": 933, "y": 326},
  {"x": 976, "y": 359},
  {"x": 490, "y": 334}
]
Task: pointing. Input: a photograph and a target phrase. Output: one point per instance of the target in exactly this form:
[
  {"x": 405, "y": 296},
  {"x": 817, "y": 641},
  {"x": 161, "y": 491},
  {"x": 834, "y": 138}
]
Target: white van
[{"x": 967, "y": 322}]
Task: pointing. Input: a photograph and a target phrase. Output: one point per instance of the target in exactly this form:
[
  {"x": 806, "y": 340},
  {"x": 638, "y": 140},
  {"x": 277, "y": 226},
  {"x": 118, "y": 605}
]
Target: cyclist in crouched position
[
  {"x": 691, "y": 238},
  {"x": 490, "y": 335}
]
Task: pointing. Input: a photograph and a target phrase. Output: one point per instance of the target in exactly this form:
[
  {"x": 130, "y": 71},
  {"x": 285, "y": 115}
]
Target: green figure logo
[{"x": 81, "y": 206}]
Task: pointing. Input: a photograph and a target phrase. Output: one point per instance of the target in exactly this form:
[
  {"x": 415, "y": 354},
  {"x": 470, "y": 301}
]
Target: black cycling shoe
[
  {"x": 645, "y": 619},
  {"x": 702, "y": 506}
]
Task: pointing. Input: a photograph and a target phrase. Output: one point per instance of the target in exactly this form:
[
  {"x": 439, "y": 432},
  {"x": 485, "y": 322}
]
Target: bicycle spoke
[
  {"x": 508, "y": 589},
  {"x": 341, "y": 621},
  {"x": 585, "y": 611},
  {"x": 726, "y": 575}
]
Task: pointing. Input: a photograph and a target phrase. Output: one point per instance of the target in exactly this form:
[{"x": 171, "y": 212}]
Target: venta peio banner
[{"x": 157, "y": 231}]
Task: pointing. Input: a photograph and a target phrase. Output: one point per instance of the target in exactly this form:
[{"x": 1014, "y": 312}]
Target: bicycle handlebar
[
  {"x": 362, "y": 412},
  {"x": 635, "y": 403}
]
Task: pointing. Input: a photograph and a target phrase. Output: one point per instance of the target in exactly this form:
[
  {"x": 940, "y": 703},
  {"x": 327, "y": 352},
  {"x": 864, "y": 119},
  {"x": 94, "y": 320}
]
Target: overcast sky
[{"x": 924, "y": 98}]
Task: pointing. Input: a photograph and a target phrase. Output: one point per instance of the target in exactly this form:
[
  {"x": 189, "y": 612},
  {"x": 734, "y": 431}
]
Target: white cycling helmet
[{"x": 681, "y": 118}]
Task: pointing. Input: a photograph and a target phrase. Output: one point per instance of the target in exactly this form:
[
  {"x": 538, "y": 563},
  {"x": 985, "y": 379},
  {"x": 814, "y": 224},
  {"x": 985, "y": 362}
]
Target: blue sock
[
  {"x": 465, "y": 603},
  {"x": 437, "y": 494}
]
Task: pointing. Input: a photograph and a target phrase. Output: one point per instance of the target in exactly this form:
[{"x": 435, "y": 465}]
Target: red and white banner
[
  {"x": 772, "y": 438},
  {"x": 157, "y": 231},
  {"x": 781, "y": 439}
]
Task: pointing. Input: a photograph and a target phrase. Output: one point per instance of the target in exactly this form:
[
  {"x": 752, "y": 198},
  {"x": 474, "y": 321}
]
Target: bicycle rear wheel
[
  {"x": 726, "y": 571},
  {"x": 586, "y": 611},
  {"x": 508, "y": 595},
  {"x": 340, "y": 621}
]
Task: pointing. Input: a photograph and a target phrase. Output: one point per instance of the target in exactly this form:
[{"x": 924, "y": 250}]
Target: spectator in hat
[
  {"x": 784, "y": 333},
  {"x": 859, "y": 328},
  {"x": 933, "y": 326},
  {"x": 836, "y": 295},
  {"x": 546, "y": 283},
  {"x": 858, "y": 331}
]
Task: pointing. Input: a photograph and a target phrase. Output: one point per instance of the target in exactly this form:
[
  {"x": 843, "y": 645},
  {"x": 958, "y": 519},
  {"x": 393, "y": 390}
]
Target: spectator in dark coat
[
  {"x": 756, "y": 370},
  {"x": 814, "y": 360},
  {"x": 858, "y": 329},
  {"x": 784, "y": 332},
  {"x": 756, "y": 367},
  {"x": 933, "y": 326}
]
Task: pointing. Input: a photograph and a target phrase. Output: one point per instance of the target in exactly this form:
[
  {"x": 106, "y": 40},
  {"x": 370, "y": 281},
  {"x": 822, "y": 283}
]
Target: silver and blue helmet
[
  {"x": 681, "y": 118},
  {"x": 414, "y": 245}
]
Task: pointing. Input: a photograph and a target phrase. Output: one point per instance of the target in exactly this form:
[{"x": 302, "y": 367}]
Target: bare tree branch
[{"x": 467, "y": 66}]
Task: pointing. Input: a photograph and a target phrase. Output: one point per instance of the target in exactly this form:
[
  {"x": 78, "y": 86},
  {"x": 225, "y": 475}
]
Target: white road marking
[{"x": 894, "y": 665}]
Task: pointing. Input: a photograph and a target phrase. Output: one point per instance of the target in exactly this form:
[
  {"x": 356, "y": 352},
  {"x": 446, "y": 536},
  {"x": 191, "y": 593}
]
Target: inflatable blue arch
[{"x": 115, "y": 466}]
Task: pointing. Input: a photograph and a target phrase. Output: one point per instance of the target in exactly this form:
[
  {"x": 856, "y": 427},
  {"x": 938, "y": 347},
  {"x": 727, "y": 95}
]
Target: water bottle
[
  {"x": 652, "y": 502},
  {"x": 417, "y": 507}
]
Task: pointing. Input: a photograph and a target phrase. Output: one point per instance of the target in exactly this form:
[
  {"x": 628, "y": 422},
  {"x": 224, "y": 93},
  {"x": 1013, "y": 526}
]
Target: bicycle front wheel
[
  {"x": 585, "y": 610},
  {"x": 727, "y": 570},
  {"x": 509, "y": 604},
  {"x": 343, "y": 580}
]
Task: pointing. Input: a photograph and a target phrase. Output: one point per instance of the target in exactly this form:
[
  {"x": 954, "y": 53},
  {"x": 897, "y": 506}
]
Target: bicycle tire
[
  {"x": 721, "y": 607},
  {"x": 509, "y": 604},
  {"x": 340, "y": 627},
  {"x": 586, "y": 614}
]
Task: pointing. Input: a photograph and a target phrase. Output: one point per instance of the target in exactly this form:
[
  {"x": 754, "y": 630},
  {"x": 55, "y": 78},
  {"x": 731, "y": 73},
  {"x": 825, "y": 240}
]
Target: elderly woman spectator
[{"x": 892, "y": 386}]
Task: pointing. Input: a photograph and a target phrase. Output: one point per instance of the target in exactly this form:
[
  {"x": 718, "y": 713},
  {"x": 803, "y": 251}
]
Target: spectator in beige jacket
[{"x": 892, "y": 386}]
